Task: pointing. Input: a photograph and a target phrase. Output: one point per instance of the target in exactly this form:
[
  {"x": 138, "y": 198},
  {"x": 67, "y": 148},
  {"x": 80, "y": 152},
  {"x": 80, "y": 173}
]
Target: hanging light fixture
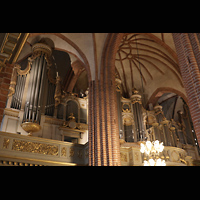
[{"x": 152, "y": 151}]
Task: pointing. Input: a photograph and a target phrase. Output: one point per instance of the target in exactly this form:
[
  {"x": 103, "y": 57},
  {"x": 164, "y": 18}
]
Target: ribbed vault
[{"x": 142, "y": 61}]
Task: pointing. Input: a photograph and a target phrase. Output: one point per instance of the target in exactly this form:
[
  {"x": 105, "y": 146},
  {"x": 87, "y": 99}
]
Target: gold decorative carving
[
  {"x": 135, "y": 91},
  {"x": 136, "y": 155},
  {"x": 172, "y": 128},
  {"x": 34, "y": 147},
  {"x": 17, "y": 71},
  {"x": 123, "y": 157},
  {"x": 118, "y": 84},
  {"x": 136, "y": 98},
  {"x": 6, "y": 143},
  {"x": 165, "y": 121},
  {"x": 13, "y": 81},
  {"x": 71, "y": 123},
  {"x": 155, "y": 124},
  {"x": 124, "y": 109},
  {"x": 58, "y": 94},
  {"x": 118, "y": 87},
  {"x": 34, "y": 56},
  {"x": 80, "y": 153},
  {"x": 30, "y": 127},
  {"x": 127, "y": 121},
  {"x": 158, "y": 110},
  {"x": 71, "y": 152},
  {"x": 64, "y": 151},
  {"x": 25, "y": 71},
  {"x": 38, "y": 49},
  {"x": 41, "y": 47}
]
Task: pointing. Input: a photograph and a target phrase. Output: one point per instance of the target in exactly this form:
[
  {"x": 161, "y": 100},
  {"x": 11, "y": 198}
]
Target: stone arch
[
  {"x": 160, "y": 91},
  {"x": 107, "y": 94},
  {"x": 112, "y": 44}
]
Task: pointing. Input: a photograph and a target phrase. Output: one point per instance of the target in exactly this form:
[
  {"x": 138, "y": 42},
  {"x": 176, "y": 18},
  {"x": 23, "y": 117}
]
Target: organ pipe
[
  {"x": 18, "y": 90},
  {"x": 159, "y": 127},
  {"x": 39, "y": 61},
  {"x": 137, "y": 111}
]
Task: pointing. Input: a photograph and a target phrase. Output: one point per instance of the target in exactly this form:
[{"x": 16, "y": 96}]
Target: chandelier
[{"x": 152, "y": 151}]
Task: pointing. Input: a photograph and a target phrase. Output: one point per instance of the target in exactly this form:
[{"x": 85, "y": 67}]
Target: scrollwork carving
[
  {"x": 123, "y": 157},
  {"x": 17, "y": 71},
  {"x": 6, "y": 143},
  {"x": 13, "y": 81},
  {"x": 64, "y": 151},
  {"x": 71, "y": 152},
  {"x": 35, "y": 147}
]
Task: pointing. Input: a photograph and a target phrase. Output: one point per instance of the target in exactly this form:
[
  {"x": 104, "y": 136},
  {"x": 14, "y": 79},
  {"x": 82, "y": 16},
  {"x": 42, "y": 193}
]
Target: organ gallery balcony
[{"x": 19, "y": 150}]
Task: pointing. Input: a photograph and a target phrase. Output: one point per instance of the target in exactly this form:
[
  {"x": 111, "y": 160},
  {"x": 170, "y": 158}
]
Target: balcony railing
[{"x": 20, "y": 150}]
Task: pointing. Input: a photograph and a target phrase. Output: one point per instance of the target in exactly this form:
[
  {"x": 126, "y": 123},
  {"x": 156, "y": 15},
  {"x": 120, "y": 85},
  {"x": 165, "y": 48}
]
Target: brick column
[
  {"x": 5, "y": 77},
  {"x": 187, "y": 48},
  {"x": 103, "y": 129}
]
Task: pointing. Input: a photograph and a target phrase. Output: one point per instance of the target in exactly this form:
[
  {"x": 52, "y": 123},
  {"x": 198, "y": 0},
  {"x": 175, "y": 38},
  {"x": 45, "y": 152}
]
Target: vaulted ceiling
[
  {"x": 143, "y": 60},
  {"x": 146, "y": 62}
]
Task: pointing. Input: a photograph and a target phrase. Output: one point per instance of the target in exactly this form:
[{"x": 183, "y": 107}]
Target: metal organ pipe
[
  {"x": 139, "y": 120},
  {"x": 27, "y": 104},
  {"x": 137, "y": 110},
  {"x": 38, "y": 82},
  {"x": 40, "y": 93},
  {"x": 39, "y": 60},
  {"x": 17, "y": 96},
  {"x": 136, "y": 122},
  {"x": 17, "y": 92},
  {"x": 24, "y": 81},
  {"x": 31, "y": 85},
  {"x": 33, "y": 90},
  {"x": 20, "y": 91}
]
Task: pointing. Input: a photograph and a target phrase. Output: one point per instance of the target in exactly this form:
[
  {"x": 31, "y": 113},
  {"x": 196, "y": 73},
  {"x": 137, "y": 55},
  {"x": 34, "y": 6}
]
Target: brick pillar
[
  {"x": 5, "y": 77},
  {"x": 103, "y": 129},
  {"x": 194, "y": 38},
  {"x": 187, "y": 48}
]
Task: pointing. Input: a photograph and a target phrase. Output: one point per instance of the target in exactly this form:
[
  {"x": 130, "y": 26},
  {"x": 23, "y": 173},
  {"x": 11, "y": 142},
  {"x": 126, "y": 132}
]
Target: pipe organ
[
  {"x": 139, "y": 124},
  {"x": 37, "y": 105}
]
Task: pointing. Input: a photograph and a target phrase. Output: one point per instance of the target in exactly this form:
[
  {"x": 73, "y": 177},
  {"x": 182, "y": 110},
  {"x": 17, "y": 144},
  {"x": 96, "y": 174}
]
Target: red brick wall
[
  {"x": 187, "y": 48},
  {"x": 5, "y": 77}
]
